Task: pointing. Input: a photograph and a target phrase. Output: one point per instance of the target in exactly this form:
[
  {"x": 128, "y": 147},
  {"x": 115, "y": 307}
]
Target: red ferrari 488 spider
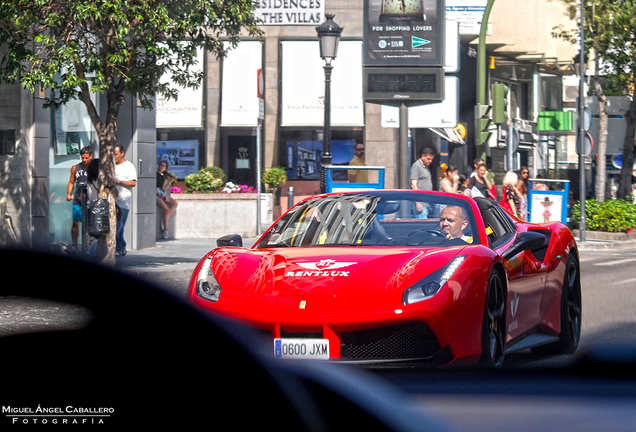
[{"x": 400, "y": 277}]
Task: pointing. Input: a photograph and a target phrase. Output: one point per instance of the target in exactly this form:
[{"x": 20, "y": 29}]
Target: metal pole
[
  {"x": 510, "y": 147},
  {"x": 326, "y": 151},
  {"x": 581, "y": 130},
  {"x": 404, "y": 147},
  {"x": 481, "y": 72},
  {"x": 258, "y": 178}
]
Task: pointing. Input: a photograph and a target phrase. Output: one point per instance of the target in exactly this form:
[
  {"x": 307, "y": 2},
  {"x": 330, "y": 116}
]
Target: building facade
[
  {"x": 521, "y": 53},
  {"x": 217, "y": 125}
]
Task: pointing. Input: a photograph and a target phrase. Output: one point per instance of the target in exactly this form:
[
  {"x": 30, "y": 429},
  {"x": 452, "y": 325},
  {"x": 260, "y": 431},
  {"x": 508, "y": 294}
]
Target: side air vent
[{"x": 540, "y": 253}]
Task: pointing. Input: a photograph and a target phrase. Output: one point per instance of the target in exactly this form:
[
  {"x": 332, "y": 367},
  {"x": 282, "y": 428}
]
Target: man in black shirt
[{"x": 78, "y": 178}]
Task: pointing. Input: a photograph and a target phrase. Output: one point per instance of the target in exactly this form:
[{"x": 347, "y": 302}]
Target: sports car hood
[{"x": 326, "y": 271}]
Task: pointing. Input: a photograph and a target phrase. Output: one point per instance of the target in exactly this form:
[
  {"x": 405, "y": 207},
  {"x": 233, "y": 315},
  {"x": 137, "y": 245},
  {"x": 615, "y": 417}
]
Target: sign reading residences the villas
[
  {"x": 290, "y": 12},
  {"x": 187, "y": 110}
]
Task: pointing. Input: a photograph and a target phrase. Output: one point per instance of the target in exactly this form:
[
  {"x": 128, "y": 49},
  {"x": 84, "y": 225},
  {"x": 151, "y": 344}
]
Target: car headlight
[
  {"x": 208, "y": 287},
  {"x": 431, "y": 284}
]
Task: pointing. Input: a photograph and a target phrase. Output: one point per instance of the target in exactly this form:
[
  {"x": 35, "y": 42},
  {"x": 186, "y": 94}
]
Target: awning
[{"x": 449, "y": 134}]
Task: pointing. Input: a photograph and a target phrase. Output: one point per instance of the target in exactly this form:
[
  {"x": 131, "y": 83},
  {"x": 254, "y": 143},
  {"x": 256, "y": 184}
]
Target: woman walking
[
  {"x": 167, "y": 204},
  {"x": 511, "y": 200}
]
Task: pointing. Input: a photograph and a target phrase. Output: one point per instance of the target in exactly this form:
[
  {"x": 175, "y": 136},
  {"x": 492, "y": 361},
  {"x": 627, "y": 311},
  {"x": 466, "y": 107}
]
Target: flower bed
[
  {"x": 210, "y": 208},
  {"x": 212, "y": 215}
]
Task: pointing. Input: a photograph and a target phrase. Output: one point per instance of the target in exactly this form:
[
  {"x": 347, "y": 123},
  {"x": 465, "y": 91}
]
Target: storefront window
[
  {"x": 303, "y": 152},
  {"x": 72, "y": 130}
]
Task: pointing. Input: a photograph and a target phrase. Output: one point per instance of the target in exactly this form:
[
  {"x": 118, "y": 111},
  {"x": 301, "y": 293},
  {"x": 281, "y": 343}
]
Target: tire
[
  {"x": 493, "y": 335},
  {"x": 570, "y": 313}
]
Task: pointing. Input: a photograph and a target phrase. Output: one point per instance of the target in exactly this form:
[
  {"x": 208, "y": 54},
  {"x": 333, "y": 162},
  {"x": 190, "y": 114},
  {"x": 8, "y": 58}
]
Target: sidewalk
[
  {"x": 169, "y": 260},
  {"x": 174, "y": 260}
]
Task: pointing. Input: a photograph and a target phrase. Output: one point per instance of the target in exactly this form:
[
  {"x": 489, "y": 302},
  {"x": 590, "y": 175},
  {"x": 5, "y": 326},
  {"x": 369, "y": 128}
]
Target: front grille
[{"x": 401, "y": 341}]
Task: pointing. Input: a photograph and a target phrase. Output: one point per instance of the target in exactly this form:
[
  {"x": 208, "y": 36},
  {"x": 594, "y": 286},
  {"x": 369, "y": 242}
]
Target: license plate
[{"x": 302, "y": 348}]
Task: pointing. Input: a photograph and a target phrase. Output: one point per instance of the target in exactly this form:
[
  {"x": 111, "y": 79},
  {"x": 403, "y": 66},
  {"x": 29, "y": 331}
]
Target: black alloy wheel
[{"x": 493, "y": 340}]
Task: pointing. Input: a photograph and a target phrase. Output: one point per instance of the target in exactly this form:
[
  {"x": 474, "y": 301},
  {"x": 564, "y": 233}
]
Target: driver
[{"x": 453, "y": 222}]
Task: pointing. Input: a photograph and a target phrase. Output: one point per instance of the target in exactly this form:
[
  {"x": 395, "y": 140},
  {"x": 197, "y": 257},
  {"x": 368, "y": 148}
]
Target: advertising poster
[
  {"x": 304, "y": 159},
  {"x": 187, "y": 110},
  {"x": 182, "y": 156},
  {"x": 546, "y": 207},
  {"x": 403, "y": 32},
  {"x": 303, "y": 85}
]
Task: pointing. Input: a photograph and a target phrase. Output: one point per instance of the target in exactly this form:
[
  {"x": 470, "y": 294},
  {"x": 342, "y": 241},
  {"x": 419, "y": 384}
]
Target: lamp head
[{"x": 329, "y": 37}]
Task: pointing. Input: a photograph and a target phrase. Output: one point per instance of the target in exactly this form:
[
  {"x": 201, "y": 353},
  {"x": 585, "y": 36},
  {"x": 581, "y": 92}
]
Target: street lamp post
[
  {"x": 328, "y": 38},
  {"x": 581, "y": 130}
]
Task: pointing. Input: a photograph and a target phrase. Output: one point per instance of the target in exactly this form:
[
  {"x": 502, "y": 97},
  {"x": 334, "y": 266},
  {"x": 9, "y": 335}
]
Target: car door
[{"x": 526, "y": 276}]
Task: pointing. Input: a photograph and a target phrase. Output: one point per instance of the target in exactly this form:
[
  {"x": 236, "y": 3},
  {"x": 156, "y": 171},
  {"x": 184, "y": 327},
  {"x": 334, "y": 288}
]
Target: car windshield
[{"x": 382, "y": 218}]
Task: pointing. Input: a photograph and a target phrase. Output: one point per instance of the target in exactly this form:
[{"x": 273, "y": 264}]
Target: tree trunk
[
  {"x": 107, "y": 140},
  {"x": 625, "y": 184},
  {"x": 601, "y": 175}
]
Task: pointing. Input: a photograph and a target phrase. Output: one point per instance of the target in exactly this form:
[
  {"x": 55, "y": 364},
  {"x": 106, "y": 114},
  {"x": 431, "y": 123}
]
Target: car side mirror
[
  {"x": 528, "y": 240},
  {"x": 230, "y": 240}
]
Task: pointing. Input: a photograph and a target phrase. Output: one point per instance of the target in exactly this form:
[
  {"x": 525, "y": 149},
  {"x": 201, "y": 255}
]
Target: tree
[
  {"x": 610, "y": 31},
  {"x": 115, "y": 48},
  {"x": 591, "y": 25}
]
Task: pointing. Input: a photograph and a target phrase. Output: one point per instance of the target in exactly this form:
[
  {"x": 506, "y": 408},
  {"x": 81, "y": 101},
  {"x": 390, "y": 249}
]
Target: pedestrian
[
  {"x": 463, "y": 185},
  {"x": 93, "y": 188},
  {"x": 511, "y": 200},
  {"x": 539, "y": 185},
  {"x": 92, "y": 183},
  {"x": 450, "y": 182},
  {"x": 421, "y": 179},
  {"x": 168, "y": 204},
  {"x": 125, "y": 180},
  {"x": 493, "y": 187},
  {"x": 523, "y": 187},
  {"x": 77, "y": 181},
  {"x": 476, "y": 162},
  {"x": 479, "y": 184},
  {"x": 420, "y": 171},
  {"x": 358, "y": 176}
]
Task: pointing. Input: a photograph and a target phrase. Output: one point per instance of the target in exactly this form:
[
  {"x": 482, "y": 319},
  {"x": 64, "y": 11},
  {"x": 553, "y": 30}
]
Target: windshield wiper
[{"x": 275, "y": 245}]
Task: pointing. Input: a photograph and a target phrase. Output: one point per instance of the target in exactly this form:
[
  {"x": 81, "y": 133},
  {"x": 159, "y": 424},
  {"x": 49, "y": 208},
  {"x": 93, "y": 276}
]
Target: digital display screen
[{"x": 402, "y": 83}]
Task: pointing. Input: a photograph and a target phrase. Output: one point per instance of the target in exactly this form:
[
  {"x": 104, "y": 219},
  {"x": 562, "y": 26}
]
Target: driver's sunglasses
[{"x": 360, "y": 149}]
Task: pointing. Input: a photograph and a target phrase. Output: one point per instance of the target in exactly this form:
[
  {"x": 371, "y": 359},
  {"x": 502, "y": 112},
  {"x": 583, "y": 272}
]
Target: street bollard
[{"x": 290, "y": 197}]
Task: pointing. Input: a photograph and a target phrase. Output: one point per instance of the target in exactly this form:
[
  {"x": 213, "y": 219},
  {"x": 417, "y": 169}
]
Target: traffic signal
[
  {"x": 499, "y": 103},
  {"x": 482, "y": 123}
]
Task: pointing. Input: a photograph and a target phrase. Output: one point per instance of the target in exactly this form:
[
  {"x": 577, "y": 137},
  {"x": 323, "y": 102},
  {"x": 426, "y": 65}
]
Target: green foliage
[
  {"x": 77, "y": 47},
  {"x": 210, "y": 179},
  {"x": 608, "y": 216},
  {"x": 274, "y": 177},
  {"x": 610, "y": 35}
]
